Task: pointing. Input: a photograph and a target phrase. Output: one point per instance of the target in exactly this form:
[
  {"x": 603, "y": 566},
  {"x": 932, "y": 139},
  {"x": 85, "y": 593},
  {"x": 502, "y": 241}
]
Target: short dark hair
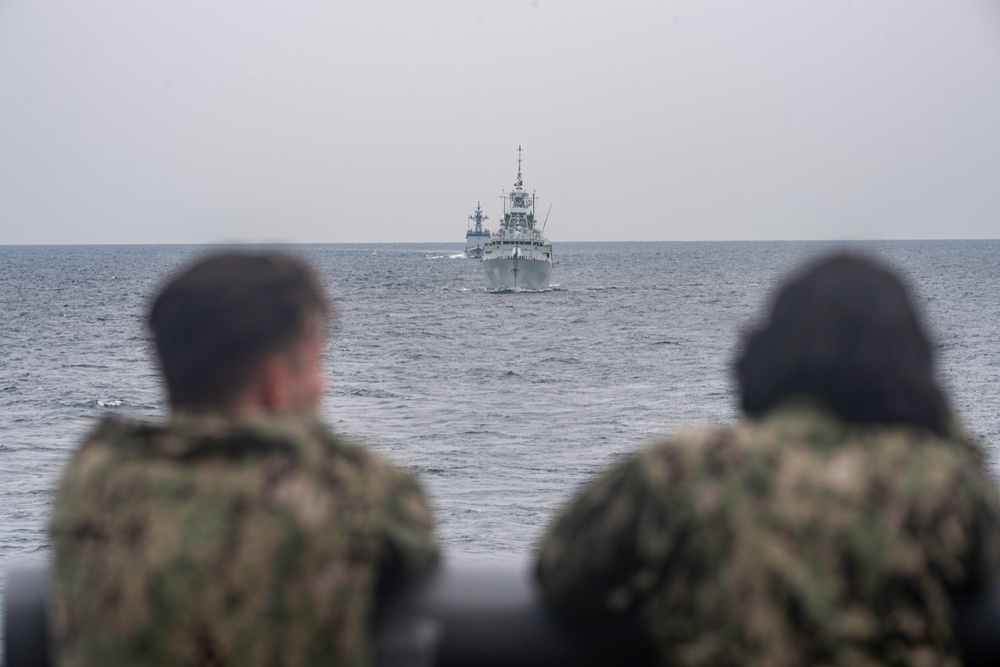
[
  {"x": 220, "y": 317},
  {"x": 844, "y": 330}
]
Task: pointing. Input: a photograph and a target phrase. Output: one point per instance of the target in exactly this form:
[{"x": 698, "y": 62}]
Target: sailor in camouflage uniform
[
  {"x": 241, "y": 531},
  {"x": 836, "y": 525}
]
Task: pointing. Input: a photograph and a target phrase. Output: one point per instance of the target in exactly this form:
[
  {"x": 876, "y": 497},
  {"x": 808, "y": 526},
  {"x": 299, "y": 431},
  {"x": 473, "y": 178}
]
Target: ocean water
[{"x": 502, "y": 404}]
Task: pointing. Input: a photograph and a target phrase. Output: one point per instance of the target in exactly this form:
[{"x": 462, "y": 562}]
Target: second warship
[{"x": 477, "y": 236}]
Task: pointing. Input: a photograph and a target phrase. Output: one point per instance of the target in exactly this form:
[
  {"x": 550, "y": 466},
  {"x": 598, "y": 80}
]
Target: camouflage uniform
[
  {"x": 793, "y": 540},
  {"x": 211, "y": 541}
]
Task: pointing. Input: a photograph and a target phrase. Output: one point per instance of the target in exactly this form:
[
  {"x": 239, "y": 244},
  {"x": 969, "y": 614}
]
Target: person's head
[
  {"x": 844, "y": 330},
  {"x": 239, "y": 330}
]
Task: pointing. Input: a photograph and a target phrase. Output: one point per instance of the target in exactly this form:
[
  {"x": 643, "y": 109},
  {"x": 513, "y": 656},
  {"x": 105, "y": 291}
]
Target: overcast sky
[{"x": 193, "y": 121}]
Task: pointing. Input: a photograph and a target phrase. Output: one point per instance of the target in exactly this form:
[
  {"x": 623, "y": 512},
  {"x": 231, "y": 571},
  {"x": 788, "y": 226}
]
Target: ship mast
[
  {"x": 478, "y": 217},
  {"x": 518, "y": 183},
  {"x": 518, "y": 206}
]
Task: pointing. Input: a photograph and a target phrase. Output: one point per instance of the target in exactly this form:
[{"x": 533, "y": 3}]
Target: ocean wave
[
  {"x": 371, "y": 393},
  {"x": 108, "y": 403},
  {"x": 518, "y": 290}
]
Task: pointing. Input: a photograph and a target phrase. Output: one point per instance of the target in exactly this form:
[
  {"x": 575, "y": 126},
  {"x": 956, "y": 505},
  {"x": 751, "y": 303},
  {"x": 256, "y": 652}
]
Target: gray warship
[
  {"x": 518, "y": 256},
  {"x": 477, "y": 236}
]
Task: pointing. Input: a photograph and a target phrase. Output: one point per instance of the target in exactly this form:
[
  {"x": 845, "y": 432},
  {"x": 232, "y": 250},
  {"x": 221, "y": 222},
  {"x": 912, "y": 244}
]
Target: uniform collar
[
  {"x": 806, "y": 419},
  {"x": 191, "y": 435}
]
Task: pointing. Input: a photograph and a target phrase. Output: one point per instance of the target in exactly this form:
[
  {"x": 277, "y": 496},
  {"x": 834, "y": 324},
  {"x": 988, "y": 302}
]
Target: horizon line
[{"x": 460, "y": 244}]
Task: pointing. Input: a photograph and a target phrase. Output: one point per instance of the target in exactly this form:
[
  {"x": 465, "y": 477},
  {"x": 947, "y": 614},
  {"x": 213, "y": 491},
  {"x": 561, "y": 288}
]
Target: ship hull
[
  {"x": 474, "y": 244},
  {"x": 508, "y": 273}
]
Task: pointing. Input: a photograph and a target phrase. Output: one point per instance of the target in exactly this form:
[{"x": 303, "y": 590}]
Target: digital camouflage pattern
[
  {"x": 793, "y": 540},
  {"x": 209, "y": 541}
]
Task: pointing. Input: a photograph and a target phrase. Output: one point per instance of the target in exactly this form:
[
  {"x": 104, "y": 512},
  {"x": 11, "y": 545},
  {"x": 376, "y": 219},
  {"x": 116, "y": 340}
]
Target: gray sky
[{"x": 138, "y": 121}]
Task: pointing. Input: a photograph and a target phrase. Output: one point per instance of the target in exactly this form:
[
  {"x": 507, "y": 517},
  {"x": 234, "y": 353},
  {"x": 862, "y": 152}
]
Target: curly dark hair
[{"x": 844, "y": 330}]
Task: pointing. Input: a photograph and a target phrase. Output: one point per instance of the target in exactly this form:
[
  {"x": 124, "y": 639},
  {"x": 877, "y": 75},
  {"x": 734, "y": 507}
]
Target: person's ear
[{"x": 276, "y": 384}]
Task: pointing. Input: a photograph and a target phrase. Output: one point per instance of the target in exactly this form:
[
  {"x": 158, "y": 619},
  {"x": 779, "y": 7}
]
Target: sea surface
[{"x": 503, "y": 404}]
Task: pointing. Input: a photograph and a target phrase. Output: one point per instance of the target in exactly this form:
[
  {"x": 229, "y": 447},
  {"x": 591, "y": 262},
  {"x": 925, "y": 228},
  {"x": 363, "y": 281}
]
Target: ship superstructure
[
  {"x": 477, "y": 236},
  {"x": 518, "y": 256}
]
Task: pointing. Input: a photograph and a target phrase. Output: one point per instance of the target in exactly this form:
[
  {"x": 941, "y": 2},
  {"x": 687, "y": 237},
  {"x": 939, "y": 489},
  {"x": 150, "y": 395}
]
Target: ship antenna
[
  {"x": 519, "y": 164},
  {"x": 546, "y": 221}
]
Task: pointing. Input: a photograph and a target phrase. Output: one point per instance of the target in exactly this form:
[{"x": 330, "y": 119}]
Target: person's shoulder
[
  {"x": 336, "y": 445},
  {"x": 933, "y": 457},
  {"x": 347, "y": 457},
  {"x": 111, "y": 437},
  {"x": 113, "y": 429},
  {"x": 955, "y": 464},
  {"x": 95, "y": 463},
  {"x": 690, "y": 453},
  {"x": 694, "y": 439},
  {"x": 352, "y": 468}
]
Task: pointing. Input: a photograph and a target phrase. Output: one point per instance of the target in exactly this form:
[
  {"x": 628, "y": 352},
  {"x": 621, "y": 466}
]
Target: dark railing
[
  {"x": 24, "y": 616},
  {"x": 470, "y": 612}
]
